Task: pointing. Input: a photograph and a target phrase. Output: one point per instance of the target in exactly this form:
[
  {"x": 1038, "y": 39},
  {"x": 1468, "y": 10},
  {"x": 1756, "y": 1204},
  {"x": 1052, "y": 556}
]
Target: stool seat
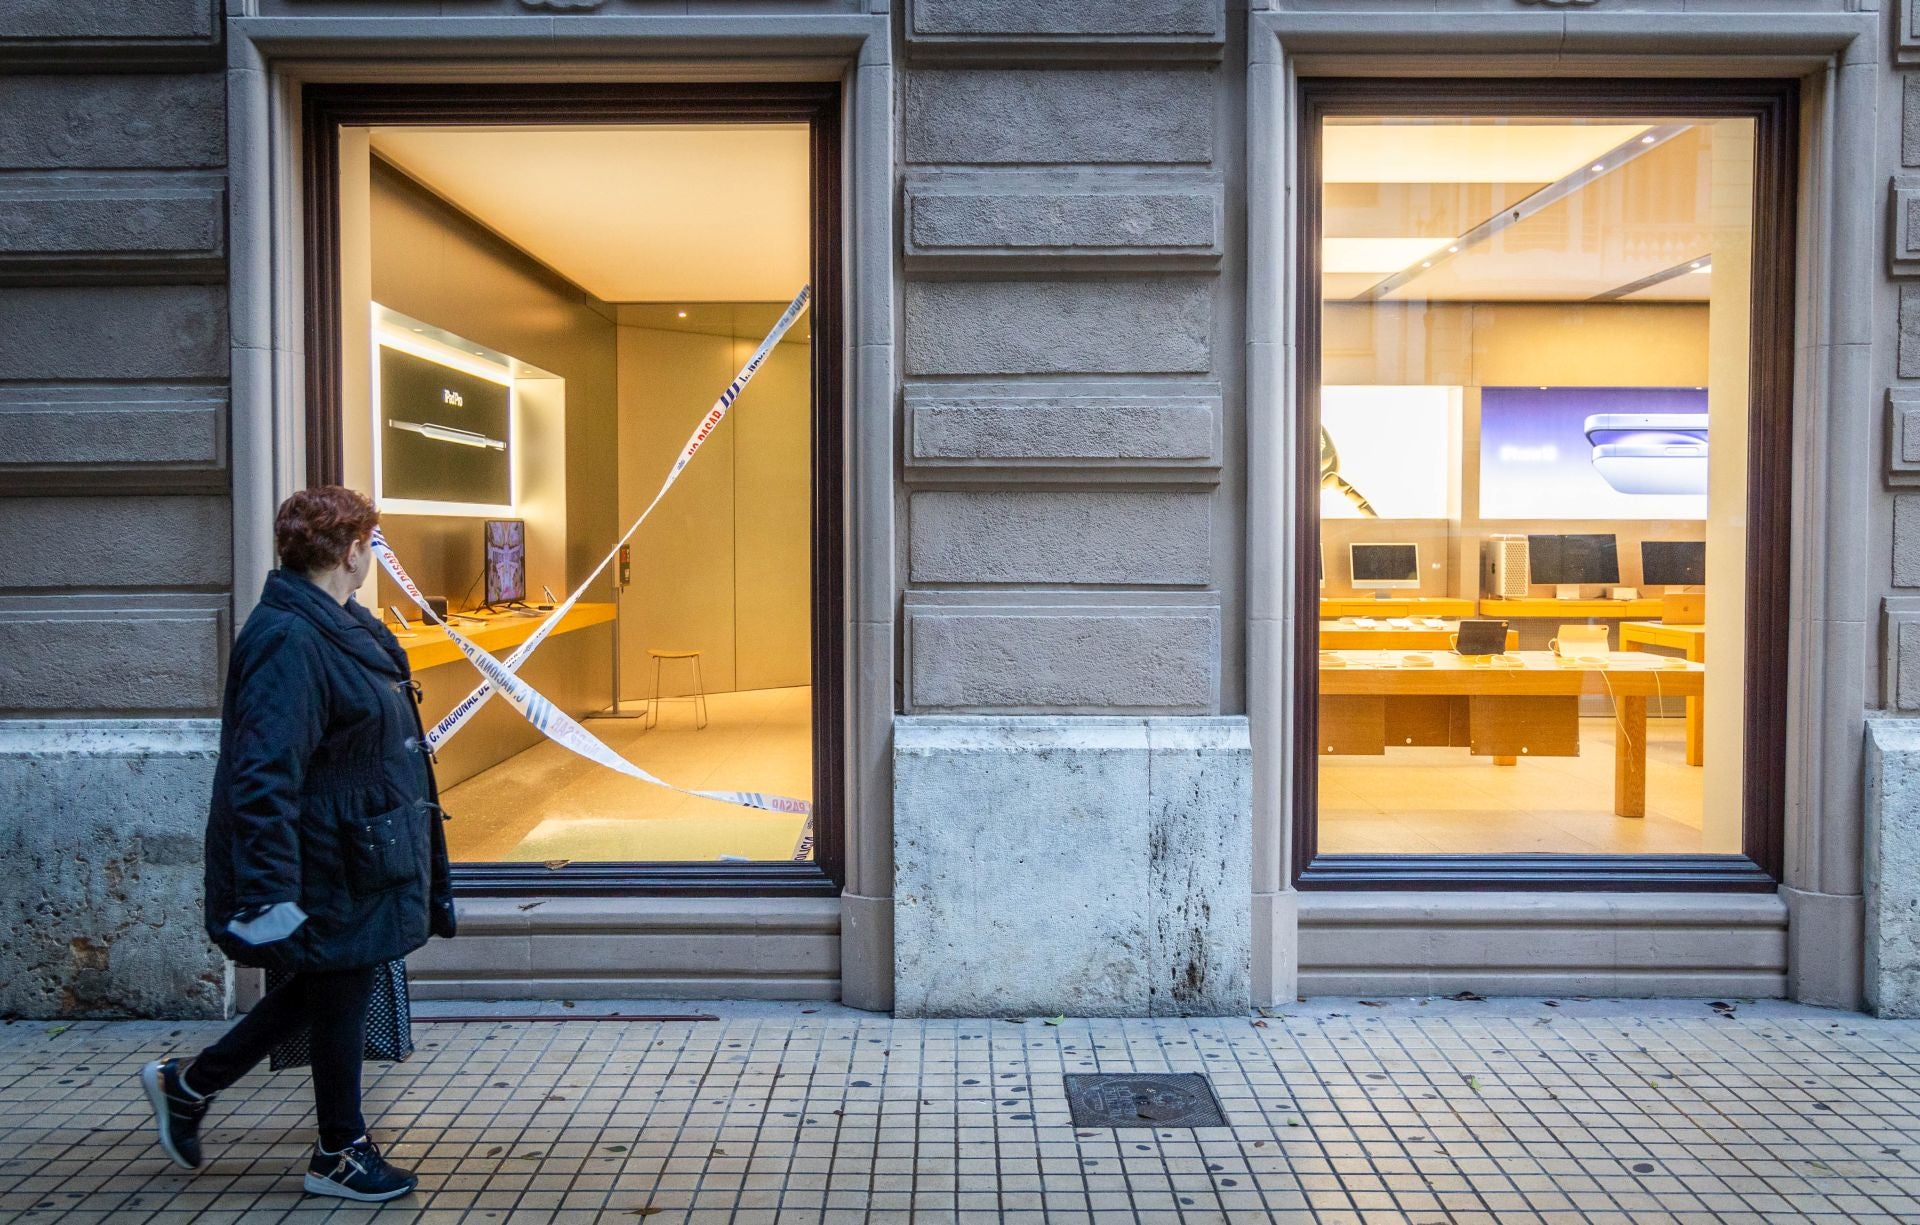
[{"x": 698, "y": 697}]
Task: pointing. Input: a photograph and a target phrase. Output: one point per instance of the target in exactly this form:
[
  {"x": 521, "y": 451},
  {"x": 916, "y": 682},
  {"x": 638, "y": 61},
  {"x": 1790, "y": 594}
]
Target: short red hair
[{"x": 314, "y": 528}]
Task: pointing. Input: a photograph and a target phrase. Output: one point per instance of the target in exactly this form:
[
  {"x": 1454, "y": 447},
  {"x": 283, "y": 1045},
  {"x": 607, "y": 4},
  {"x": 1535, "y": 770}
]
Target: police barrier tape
[
  {"x": 543, "y": 714},
  {"x": 465, "y": 708},
  {"x": 559, "y": 726}
]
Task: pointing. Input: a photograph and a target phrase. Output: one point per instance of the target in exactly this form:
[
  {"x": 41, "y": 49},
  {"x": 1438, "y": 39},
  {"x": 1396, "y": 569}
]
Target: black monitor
[
  {"x": 506, "y": 561},
  {"x": 1384, "y": 566},
  {"x": 1573, "y": 559},
  {"x": 1673, "y": 563}
]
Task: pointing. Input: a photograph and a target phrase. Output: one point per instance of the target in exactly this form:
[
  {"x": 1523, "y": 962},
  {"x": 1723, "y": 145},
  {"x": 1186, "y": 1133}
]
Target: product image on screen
[
  {"x": 444, "y": 433},
  {"x": 1573, "y": 559},
  {"x": 506, "y": 561},
  {"x": 1593, "y": 453},
  {"x": 1382, "y": 566},
  {"x": 1673, "y": 563},
  {"x": 1377, "y": 448}
]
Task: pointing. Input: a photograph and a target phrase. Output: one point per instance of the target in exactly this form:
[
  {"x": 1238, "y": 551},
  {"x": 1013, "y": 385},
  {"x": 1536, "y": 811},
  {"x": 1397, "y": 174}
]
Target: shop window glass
[
  {"x": 1533, "y": 414},
  {"x": 535, "y": 319}
]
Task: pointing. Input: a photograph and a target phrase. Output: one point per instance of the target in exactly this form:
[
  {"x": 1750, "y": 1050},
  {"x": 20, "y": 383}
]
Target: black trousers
[{"x": 332, "y": 1006}]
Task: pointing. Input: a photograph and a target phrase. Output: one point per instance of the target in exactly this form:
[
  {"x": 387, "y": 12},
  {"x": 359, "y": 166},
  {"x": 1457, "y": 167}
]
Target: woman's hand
[{"x": 441, "y": 919}]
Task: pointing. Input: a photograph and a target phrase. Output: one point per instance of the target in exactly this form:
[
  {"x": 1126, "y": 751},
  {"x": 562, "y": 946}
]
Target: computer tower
[{"x": 1503, "y": 567}]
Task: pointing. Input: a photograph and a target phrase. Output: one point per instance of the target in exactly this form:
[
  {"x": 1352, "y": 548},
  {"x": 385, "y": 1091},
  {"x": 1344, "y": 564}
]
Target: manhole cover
[{"x": 1143, "y": 1099}]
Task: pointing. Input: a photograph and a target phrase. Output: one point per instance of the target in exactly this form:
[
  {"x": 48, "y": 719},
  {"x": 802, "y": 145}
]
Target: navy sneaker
[
  {"x": 176, "y": 1112},
  {"x": 357, "y": 1172}
]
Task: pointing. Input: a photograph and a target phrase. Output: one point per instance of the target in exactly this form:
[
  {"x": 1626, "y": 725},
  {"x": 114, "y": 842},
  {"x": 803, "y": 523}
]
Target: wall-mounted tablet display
[
  {"x": 1593, "y": 453},
  {"x": 1673, "y": 563},
  {"x": 1593, "y": 558},
  {"x": 443, "y": 433},
  {"x": 1385, "y": 566},
  {"x": 505, "y": 543}
]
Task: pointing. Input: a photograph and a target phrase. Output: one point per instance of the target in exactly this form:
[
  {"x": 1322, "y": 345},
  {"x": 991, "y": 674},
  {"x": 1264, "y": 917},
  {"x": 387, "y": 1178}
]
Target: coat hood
[{"x": 350, "y": 627}]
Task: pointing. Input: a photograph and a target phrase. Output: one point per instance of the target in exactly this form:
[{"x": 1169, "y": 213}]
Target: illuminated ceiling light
[
  {"x": 683, "y": 314},
  {"x": 1454, "y": 249},
  {"x": 1598, "y": 167},
  {"x": 1646, "y": 140},
  {"x": 1426, "y": 263},
  {"x": 1700, "y": 265}
]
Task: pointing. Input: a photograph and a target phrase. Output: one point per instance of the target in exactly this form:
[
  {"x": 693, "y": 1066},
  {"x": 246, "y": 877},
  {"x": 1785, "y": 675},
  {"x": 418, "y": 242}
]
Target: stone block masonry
[
  {"x": 1091, "y": 867},
  {"x": 101, "y": 833}
]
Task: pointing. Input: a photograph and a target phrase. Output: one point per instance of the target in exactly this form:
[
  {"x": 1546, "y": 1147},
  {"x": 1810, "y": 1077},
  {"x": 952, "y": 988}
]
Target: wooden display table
[
  {"x": 1691, "y": 640},
  {"x": 429, "y": 648},
  {"x": 1339, "y": 636},
  {"x": 1530, "y": 708},
  {"x": 1411, "y": 606},
  {"x": 1573, "y": 610}
]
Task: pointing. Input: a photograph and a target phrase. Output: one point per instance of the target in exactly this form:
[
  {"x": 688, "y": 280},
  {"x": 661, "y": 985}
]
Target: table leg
[
  {"x": 1696, "y": 713},
  {"x": 1630, "y": 757}
]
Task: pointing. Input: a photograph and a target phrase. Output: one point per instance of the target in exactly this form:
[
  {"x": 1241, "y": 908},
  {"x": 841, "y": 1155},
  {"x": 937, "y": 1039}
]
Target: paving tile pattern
[{"x": 1393, "y": 1110}]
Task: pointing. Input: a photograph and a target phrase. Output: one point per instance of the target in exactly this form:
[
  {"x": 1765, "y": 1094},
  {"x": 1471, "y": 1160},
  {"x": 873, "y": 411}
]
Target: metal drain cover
[{"x": 1143, "y": 1099}]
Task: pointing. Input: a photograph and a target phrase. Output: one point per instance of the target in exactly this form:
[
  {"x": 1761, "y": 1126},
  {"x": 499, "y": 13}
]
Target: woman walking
[{"x": 325, "y": 858}]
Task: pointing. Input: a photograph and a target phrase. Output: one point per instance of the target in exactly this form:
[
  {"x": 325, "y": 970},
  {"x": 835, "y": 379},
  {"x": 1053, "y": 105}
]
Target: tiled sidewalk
[{"x": 1397, "y": 1110}]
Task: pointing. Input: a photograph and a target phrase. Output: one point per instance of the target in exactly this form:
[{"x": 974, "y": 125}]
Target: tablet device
[{"x": 1481, "y": 638}]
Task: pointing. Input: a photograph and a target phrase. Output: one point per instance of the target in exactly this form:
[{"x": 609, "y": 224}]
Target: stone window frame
[
  {"x": 269, "y": 61},
  {"x": 1835, "y": 58}
]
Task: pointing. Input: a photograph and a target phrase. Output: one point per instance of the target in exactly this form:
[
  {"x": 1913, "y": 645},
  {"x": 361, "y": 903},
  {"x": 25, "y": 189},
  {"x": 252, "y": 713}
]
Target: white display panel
[{"x": 1396, "y": 449}]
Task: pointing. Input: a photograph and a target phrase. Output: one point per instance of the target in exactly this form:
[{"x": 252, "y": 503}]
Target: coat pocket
[{"x": 380, "y": 851}]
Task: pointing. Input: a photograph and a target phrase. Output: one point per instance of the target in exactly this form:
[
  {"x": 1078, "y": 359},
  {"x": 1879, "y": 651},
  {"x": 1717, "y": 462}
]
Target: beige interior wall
[
  {"x": 723, "y": 564},
  {"x": 681, "y": 597},
  {"x": 1727, "y": 398},
  {"x": 415, "y": 254},
  {"x": 1504, "y": 344},
  {"x": 356, "y": 294},
  {"x": 773, "y": 511}
]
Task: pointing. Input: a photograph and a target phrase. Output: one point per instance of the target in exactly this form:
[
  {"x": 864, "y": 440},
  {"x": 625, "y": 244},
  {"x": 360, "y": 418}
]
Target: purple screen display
[{"x": 1593, "y": 453}]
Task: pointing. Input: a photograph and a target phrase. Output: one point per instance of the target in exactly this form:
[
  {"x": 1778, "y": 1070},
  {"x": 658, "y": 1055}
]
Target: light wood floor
[
  {"x": 1445, "y": 802},
  {"x": 548, "y": 804}
]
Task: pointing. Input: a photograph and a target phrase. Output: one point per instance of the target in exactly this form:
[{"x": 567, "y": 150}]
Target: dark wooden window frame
[
  {"x": 1774, "y": 107},
  {"x": 328, "y": 108}
]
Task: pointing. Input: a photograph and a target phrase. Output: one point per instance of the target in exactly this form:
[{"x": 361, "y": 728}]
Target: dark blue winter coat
[{"x": 324, "y": 794}]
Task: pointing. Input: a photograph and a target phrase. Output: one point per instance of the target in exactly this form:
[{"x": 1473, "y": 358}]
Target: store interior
[
  {"x": 548, "y": 314},
  {"x": 1532, "y": 560}
]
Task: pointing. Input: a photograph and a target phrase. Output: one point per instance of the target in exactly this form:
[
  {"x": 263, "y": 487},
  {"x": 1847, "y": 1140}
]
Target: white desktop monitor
[{"x": 1383, "y": 566}]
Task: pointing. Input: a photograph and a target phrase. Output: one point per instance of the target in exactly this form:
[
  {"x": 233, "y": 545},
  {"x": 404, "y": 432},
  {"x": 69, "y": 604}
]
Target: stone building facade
[{"x": 1069, "y": 369}]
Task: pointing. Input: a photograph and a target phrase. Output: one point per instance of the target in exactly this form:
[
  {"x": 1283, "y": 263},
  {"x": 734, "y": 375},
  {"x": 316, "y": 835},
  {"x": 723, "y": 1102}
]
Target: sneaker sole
[
  {"x": 316, "y": 1185},
  {"x": 162, "y": 1117}
]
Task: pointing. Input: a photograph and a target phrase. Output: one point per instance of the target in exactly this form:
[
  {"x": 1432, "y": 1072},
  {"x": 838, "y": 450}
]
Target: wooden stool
[{"x": 698, "y": 698}]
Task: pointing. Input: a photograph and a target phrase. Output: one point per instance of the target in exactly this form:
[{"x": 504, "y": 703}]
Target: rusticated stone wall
[
  {"x": 114, "y": 500},
  {"x": 1070, "y": 356},
  {"x": 1073, "y": 512}
]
